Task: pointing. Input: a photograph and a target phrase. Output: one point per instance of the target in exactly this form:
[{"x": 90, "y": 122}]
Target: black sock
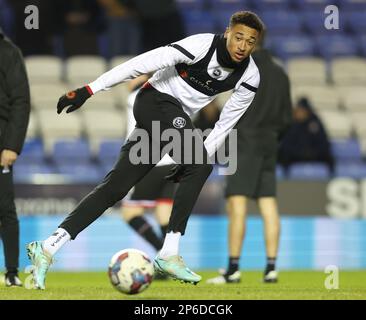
[
  {"x": 271, "y": 264},
  {"x": 145, "y": 230},
  {"x": 233, "y": 265},
  {"x": 163, "y": 230}
]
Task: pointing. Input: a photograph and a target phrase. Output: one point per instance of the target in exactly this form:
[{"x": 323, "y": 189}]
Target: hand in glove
[{"x": 74, "y": 99}]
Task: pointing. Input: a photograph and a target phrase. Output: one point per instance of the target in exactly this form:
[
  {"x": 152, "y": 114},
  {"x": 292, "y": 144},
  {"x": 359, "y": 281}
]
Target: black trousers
[
  {"x": 9, "y": 224},
  {"x": 150, "y": 105}
]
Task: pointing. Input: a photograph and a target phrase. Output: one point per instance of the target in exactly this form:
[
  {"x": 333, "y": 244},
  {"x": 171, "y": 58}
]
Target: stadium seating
[
  {"x": 282, "y": 22},
  {"x": 309, "y": 171},
  {"x": 349, "y": 71},
  {"x": 352, "y": 4},
  {"x": 337, "y": 45},
  {"x": 269, "y": 4},
  {"x": 229, "y": 5},
  {"x": 45, "y": 96},
  {"x": 351, "y": 170},
  {"x": 354, "y": 98},
  {"x": 112, "y": 126},
  {"x": 345, "y": 150},
  {"x": 84, "y": 69},
  {"x": 32, "y": 152},
  {"x": 359, "y": 122},
  {"x": 74, "y": 151},
  {"x": 307, "y": 71},
  {"x": 321, "y": 97},
  {"x": 286, "y": 47},
  {"x": 81, "y": 172},
  {"x": 337, "y": 123},
  {"x": 54, "y": 127},
  {"x": 44, "y": 69},
  {"x": 356, "y": 21},
  {"x": 201, "y": 22},
  {"x": 33, "y": 127}
]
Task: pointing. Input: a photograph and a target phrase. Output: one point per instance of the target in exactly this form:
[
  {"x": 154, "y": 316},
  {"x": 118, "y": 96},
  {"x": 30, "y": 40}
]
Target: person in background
[
  {"x": 14, "y": 117},
  {"x": 306, "y": 140},
  {"x": 259, "y": 132}
]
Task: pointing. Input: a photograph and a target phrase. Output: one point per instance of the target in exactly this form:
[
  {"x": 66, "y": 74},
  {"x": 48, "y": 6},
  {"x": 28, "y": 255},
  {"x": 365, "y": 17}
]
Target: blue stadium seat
[
  {"x": 362, "y": 41},
  {"x": 309, "y": 171},
  {"x": 352, "y": 5},
  {"x": 331, "y": 46},
  {"x": 232, "y": 5},
  {"x": 346, "y": 149},
  {"x": 270, "y": 4},
  {"x": 25, "y": 172},
  {"x": 312, "y": 4},
  {"x": 286, "y": 47},
  {"x": 190, "y": 4},
  {"x": 71, "y": 151},
  {"x": 356, "y": 21},
  {"x": 199, "y": 22},
  {"x": 222, "y": 18},
  {"x": 32, "y": 151},
  {"x": 355, "y": 170},
  {"x": 109, "y": 151},
  {"x": 280, "y": 173},
  {"x": 282, "y": 22},
  {"x": 81, "y": 173}
]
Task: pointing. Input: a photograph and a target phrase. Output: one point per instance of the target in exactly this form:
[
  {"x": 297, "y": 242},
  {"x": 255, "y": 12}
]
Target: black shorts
[
  {"x": 255, "y": 176},
  {"x": 152, "y": 189}
]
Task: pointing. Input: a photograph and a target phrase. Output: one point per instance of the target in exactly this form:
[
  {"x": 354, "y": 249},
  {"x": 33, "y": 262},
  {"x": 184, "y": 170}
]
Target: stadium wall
[{"x": 306, "y": 243}]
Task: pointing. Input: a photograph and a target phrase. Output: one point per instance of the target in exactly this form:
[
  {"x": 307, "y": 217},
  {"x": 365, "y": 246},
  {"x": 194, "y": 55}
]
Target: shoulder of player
[
  {"x": 251, "y": 74},
  {"x": 196, "y": 45}
]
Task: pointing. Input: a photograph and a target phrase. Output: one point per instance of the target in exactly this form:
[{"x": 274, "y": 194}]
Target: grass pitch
[{"x": 297, "y": 285}]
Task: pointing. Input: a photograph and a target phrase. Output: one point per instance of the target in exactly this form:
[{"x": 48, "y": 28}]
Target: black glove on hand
[
  {"x": 75, "y": 99},
  {"x": 176, "y": 173}
]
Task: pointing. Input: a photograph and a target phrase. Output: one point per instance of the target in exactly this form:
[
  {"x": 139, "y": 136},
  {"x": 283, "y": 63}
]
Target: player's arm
[
  {"x": 232, "y": 111},
  {"x": 188, "y": 50}
]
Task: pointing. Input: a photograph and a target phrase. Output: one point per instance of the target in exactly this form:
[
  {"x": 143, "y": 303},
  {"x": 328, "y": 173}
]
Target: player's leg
[
  {"x": 236, "y": 208},
  {"x": 114, "y": 187},
  {"x": 164, "y": 202},
  {"x": 9, "y": 228},
  {"x": 134, "y": 216},
  {"x": 269, "y": 210},
  {"x": 267, "y": 204},
  {"x": 187, "y": 193},
  {"x": 162, "y": 213}
]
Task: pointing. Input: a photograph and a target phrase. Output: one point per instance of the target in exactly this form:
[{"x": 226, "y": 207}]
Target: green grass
[{"x": 292, "y": 285}]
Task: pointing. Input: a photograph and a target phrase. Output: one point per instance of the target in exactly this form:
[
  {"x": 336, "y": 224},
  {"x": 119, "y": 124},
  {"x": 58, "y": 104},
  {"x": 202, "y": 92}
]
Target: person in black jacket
[
  {"x": 14, "y": 117},
  {"x": 259, "y": 132},
  {"x": 306, "y": 140}
]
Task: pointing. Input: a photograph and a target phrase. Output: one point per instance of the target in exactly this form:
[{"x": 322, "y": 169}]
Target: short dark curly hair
[{"x": 247, "y": 18}]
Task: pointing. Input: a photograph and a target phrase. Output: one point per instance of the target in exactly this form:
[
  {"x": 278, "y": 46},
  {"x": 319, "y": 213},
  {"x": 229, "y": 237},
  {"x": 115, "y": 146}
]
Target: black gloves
[
  {"x": 75, "y": 99},
  {"x": 176, "y": 173}
]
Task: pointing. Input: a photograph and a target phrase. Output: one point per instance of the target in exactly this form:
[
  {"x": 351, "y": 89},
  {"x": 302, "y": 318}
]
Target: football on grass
[{"x": 130, "y": 271}]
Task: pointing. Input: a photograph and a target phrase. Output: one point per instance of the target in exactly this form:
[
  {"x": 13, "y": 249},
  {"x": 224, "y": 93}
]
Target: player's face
[{"x": 240, "y": 41}]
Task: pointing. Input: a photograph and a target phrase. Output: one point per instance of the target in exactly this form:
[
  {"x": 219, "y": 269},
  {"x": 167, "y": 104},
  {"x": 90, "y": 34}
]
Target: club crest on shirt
[
  {"x": 179, "y": 122},
  {"x": 217, "y": 73}
]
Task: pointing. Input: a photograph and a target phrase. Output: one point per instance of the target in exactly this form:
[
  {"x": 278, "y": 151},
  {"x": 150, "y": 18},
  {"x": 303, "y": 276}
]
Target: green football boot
[
  {"x": 174, "y": 267},
  {"x": 41, "y": 261}
]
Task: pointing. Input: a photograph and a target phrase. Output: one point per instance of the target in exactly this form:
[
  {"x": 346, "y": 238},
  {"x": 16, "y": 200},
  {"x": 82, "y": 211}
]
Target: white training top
[{"x": 166, "y": 79}]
